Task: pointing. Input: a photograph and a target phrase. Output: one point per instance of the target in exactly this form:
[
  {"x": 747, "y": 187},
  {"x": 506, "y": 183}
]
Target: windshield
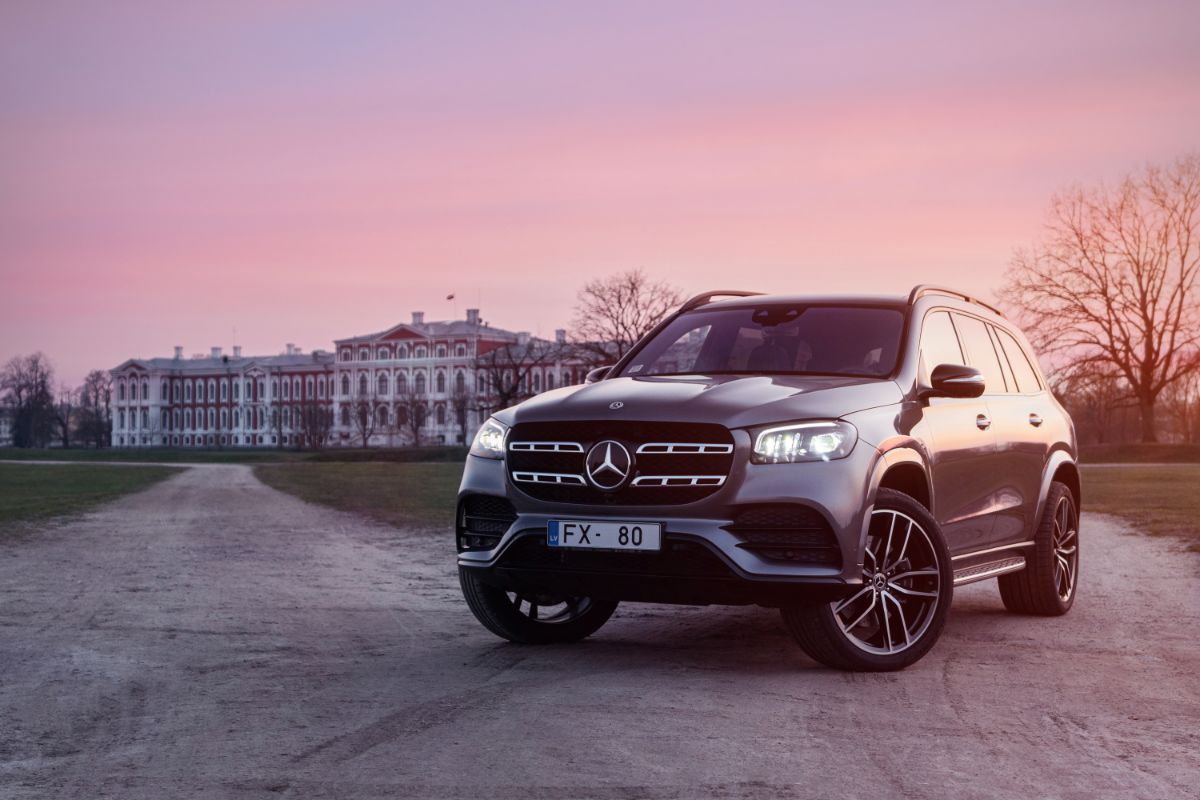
[{"x": 775, "y": 339}]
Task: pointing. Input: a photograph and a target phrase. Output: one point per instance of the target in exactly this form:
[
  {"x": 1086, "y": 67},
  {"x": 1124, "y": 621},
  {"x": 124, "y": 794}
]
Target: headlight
[
  {"x": 803, "y": 441},
  {"x": 489, "y": 441}
]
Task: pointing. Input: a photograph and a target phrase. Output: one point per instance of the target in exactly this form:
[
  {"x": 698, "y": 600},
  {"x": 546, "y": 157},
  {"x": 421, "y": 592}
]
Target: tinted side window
[
  {"x": 980, "y": 352},
  {"x": 1023, "y": 371},
  {"x": 939, "y": 343}
]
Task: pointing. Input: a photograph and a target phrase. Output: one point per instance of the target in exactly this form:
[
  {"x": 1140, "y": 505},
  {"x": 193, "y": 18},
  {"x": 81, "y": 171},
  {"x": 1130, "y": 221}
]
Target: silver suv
[{"x": 847, "y": 460}]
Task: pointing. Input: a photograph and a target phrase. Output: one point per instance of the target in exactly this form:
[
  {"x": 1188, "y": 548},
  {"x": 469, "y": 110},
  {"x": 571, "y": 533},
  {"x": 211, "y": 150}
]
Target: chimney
[
  {"x": 560, "y": 335},
  {"x": 237, "y": 351},
  {"x": 178, "y": 352},
  {"x": 472, "y": 316},
  {"x": 418, "y": 318},
  {"x": 291, "y": 348},
  {"x": 523, "y": 338},
  {"x": 216, "y": 352}
]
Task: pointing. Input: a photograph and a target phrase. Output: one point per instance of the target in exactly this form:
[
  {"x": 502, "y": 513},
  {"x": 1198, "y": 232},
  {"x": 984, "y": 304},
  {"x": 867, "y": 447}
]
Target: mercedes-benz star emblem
[
  {"x": 608, "y": 465},
  {"x": 614, "y": 405}
]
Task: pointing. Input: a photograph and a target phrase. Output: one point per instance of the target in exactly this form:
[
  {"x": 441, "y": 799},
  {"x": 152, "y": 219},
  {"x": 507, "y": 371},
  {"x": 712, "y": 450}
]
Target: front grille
[
  {"x": 482, "y": 520},
  {"x": 787, "y": 532},
  {"x": 673, "y": 462},
  {"x": 678, "y": 558}
]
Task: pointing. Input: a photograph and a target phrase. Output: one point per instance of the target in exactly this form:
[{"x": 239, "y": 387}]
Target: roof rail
[
  {"x": 922, "y": 289},
  {"x": 702, "y": 299}
]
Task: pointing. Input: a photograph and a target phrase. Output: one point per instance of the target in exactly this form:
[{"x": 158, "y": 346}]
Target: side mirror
[
  {"x": 598, "y": 374},
  {"x": 955, "y": 380}
]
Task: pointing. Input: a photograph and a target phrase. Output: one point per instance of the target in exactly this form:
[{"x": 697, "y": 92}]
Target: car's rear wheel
[
  {"x": 1048, "y": 583},
  {"x": 898, "y": 613},
  {"x": 531, "y": 618}
]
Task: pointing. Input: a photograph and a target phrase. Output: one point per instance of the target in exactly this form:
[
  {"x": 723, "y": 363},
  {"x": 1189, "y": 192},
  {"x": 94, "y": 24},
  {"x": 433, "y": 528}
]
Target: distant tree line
[{"x": 39, "y": 415}]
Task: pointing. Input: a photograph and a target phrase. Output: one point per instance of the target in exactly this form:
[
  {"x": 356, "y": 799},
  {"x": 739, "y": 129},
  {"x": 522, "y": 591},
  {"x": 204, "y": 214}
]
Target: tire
[
  {"x": 570, "y": 619},
  {"x": 857, "y": 632},
  {"x": 1043, "y": 587}
]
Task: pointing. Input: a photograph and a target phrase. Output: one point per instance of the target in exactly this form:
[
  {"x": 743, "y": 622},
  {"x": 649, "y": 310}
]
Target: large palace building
[{"x": 415, "y": 383}]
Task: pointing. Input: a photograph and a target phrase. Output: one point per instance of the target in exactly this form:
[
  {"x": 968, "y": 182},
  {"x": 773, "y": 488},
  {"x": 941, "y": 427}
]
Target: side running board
[{"x": 991, "y": 569}]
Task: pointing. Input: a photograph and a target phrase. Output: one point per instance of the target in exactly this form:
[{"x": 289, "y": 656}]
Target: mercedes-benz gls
[{"x": 847, "y": 460}]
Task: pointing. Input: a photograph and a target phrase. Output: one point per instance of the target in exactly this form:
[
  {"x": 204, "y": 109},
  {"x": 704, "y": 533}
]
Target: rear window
[
  {"x": 775, "y": 339},
  {"x": 1023, "y": 371}
]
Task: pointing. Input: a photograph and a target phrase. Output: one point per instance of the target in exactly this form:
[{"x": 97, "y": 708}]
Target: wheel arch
[{"x": 1060, "y": 467}]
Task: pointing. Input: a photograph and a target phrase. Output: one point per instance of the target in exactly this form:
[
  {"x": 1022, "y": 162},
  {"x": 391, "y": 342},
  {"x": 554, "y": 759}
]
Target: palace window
[
  {"x": 421, "y": 352},
  {"x": 212, "y": 418},
  {"x": 344, "y": 355},
  {"x": 164, "y": 421},
  {"x": 145, "y": 390},
  {"x": 364, "y": 354},
  {"x": 308, "y": 387},
  {"x": 163, "y": 393},
  {"x": 287, "y": 417},
  {"x": 382, "y": 354},
  {"x": 121, "y": 420},
  {"x": 345, "y": 416},
  {"x": 187, "y": 419},
  {"x": 237, "y": 387},
  {"x": 262, "y": 388},
  {"x": 382, "y": 416},
  {"x": 321, "y": 388},
  {"x": 537, "y": 382},
  {"x": 286, "y": 389},
  {"x": 121, "y": 390},
  {"x": 401, "y": 415},
  {"x": 549, "y": 380},
  {"x": 362, "y": 385},
  {"x": 212, "y": 389},
  {"x": 224, "y": 389},
  {"x": 274, "y": 388},
  {"x": 441, "y": 382},
  {"x": 460, "y": 349},
  {"x": 401, "y": 383},
  {"x": 419, "y": 383},
  {"x": 460, "y": 382},
  {"x": 383, "y": 384},
  {"x": 296, "y": 388},
  {"x": 441, "y": 351},
  {"x": 402, "y": 351},
  {"x": 441, "y": 415},
  {"x": 224, "y": 419},
  {"x": 145, "y": 419},
  {"x": 345, "y": 386}
]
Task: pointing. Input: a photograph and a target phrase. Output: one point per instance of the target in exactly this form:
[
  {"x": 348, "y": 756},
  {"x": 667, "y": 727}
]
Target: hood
[{"x": 730, "y": 400}]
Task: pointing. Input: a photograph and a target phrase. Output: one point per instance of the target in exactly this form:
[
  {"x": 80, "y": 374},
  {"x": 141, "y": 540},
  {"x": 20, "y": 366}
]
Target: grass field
[
  {"x": 399, "y": 494},
  {"x": 177, "y": 455},
  {"x": 36, "y": 491},
  {"x": 1140, "y": 454},
  {"x": 1157, "y": 500}
]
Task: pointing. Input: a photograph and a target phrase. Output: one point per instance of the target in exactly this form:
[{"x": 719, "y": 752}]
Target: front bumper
[{"x": 731, "y": 574}]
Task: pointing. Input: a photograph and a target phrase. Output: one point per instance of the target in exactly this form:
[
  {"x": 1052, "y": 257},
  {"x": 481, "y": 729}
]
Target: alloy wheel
[
  {"x": 901, "y": 587},
  {"x": 1066, "y": 548},
  {"x": 549, "y": 609}
]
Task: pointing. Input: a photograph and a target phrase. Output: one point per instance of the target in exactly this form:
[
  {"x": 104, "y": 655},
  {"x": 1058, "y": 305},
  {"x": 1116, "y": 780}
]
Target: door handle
[
  {"x": 1035, "y": 420},
  {"x": 982, "y": 422}
]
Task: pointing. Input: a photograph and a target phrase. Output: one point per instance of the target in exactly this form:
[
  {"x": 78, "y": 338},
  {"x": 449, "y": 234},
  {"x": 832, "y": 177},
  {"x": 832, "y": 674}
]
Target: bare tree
[
  {"x": 612, "y": 313},
  {"x": 507, "y": 370},
  {"x": 25, "y": 385},
  {"x": 1113, "y": 284},
  {"x": 95, "y": 409},
  {"x": 316, "y": 421},
  {"x": 363, "y": 414},
  {"x": 411, "y": 411},
  {"x": 64, "y": 413},
  {"x": 460, "y": 405}
]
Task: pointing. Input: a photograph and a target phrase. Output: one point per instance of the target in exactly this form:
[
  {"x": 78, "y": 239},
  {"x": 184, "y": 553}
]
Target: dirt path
[{"x": 211, "y": 637}]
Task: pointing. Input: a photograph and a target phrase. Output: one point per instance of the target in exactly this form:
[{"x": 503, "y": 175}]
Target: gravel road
[{"x": 212, "y": 638}]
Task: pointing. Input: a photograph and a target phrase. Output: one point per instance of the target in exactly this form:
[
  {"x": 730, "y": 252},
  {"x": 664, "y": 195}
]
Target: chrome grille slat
[
  {"x": 679, "y": 480},
  {"x": 692, "y": 448},
  {"x": 546, "y": 447},
  {"x": 552, "y": 478}
]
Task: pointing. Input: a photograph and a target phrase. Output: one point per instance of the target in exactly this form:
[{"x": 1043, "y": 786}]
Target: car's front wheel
[
  {"x": 530, "y": 618},
  {"x": 898, "y": 612}
]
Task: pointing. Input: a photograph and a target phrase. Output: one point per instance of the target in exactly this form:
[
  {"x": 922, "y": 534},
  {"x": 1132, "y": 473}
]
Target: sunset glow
[{"x": 218, "y": 175}]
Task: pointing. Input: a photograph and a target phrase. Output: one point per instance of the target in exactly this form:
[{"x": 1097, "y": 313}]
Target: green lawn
[
  {"x": 1157, "y": 500},
  {"x": 179, "y": 455},
  {"x": 400, "y": 494},
  {"x": 37, "y": 491}
]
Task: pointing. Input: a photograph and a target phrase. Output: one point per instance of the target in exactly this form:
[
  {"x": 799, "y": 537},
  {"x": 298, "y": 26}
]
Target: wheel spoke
[
  {"x": 904, "y": 547},
  {"x": 903, "y": 621},
  {"x": 914, "y": 573},
  {"x": 887, "y": 626},
  {"x": 911, "y": 592},
  {"x": 887, "y": 550},
  {"x": 862, "y": 616},
  {"x": 533, "y": 611},
  {"x": 842, "y": 605},
  {"x": 1068, "y": 536}
]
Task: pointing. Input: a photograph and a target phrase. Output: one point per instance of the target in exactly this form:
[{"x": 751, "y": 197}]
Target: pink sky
[{"x": 296, "y": 172}]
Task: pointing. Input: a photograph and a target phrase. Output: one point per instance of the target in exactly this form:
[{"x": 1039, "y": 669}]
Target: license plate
[{"x": 604, "y": 534}]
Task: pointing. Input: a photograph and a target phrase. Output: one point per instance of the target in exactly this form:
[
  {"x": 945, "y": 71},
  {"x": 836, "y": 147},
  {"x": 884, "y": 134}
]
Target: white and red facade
[{"x": 222, "y": 400}]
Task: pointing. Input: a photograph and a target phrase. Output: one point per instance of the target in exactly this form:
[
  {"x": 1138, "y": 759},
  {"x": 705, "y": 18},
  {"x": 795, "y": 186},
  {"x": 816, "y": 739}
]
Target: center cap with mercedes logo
[{"x": 608, "y": 465}]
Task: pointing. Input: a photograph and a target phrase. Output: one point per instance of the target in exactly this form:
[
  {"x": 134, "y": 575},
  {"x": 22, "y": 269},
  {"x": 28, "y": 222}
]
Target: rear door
[
  {"x": 961, "y": 448},
  {"x": 1023, "y": 448}
]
